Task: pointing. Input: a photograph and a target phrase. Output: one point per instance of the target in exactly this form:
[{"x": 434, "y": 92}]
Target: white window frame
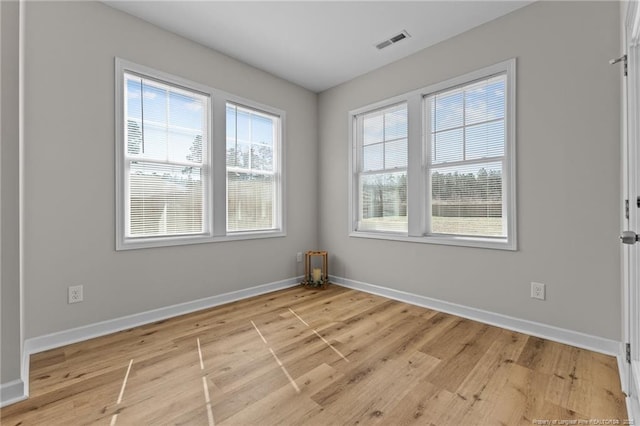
[
  {"x": 215, "y": 198},
  {"x": 359, "y": 160},
  {"x": 277, "y": 173},
  {"x": 418, "y": 185}
]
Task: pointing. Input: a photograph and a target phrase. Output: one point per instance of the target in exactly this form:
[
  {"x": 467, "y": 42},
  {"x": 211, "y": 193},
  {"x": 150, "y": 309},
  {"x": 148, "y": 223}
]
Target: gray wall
[
  {"x": 568, "y": 156},
  {"x": 69, "y": 172},
  {"x": 9, "y": 225}
]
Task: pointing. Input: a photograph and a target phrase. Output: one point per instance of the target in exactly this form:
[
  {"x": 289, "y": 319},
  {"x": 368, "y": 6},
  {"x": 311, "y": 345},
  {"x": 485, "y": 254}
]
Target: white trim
[
  {"x": 21, "y": 179},
  {"x": 633, "y": 407},
  {"x": 15, "y": 391},
  {"x": 215, "y": 186},
  {"x": 66, "y": 337},
  {"x": 449, "y": 240},
  {"x": 12, "y": 392},
  {"x": 623, "y": 368},
  {"x": 54, "y": 340},
  {"x": 632, "y": 402},
  {"x": 549, "y": 332},
  {"x": 629, "y": 180},
  {"x": 418, "y": 205}
]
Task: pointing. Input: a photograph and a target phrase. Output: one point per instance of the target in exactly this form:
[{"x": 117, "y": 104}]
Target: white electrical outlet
[
  {"x": 299, "y": 256},
  {"x": 75, "y": 294},
  {"x": 537, "y": 290}
]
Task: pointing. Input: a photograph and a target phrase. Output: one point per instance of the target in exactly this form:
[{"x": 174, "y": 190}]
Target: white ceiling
[{"x": 316, "y": 44}]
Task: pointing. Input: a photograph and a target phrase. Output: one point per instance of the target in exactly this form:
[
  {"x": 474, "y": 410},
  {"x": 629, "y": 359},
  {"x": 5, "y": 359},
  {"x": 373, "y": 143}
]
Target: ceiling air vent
[{"x": 396, "y": 38}]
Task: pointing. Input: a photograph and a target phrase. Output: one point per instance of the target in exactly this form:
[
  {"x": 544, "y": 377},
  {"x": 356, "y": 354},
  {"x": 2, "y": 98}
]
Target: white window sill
[
  {"x": 449, "y": 240},
  {"x": 140, "y": 243}
]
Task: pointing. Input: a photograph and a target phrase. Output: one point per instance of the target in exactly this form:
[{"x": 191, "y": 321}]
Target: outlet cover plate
[
  {"x": 75, "y": 294},
  {"x": 538, "y": 291}
]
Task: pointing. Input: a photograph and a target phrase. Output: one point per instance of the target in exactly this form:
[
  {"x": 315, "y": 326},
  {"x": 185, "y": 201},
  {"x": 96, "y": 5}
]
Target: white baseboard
[
  {"x": 624, "y": 369},
  {"x": 74, "y": 335},
  {"x": 66, "y": 337},
  {"x": 633, "y": 404},
  {"x": 561, "y": 335},
  {"x": 12, "y": 392},
  {"x": 19, "y": 389},
  {"x": 633, "y": 409}
]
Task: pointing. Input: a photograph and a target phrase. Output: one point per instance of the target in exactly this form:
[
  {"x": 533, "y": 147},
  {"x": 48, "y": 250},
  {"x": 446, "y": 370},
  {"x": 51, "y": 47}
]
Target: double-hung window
[
  {"x": 466, "y": 143},
  {"x": 252, "y": 169},
  {"x": 382, "y": 169},
  {"x": 166, "y": 162},
  {"x": 172, "y": 186},
  {"x": 457, "y": 186}
]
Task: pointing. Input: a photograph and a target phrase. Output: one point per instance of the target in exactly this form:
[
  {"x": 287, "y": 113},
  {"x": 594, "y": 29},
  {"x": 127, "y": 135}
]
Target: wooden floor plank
[{"x": 322, "y": 357}]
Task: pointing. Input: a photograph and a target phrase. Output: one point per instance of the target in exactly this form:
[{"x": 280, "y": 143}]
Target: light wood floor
[{"x": 318, "y": 357}]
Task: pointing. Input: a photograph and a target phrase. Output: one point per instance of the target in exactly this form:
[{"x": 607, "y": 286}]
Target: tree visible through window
[
  {"x": 252, "y": 169},
  {"x": 437, "y": 165},
  {"x": 467, "y": 147},
  {"x": 168, "y": 159},
  {"x": 165, "y": 158},
  {"x": 382, "y": 154}
]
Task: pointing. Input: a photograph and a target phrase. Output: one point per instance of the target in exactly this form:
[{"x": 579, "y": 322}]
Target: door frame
[{"x": 630, "y": 141}]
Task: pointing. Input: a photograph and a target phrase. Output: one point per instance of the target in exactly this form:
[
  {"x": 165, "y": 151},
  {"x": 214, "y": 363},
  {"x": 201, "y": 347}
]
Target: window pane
[
  {"x": 485, "y": 100},
  {"x": 133, "y": 90},
  {"x": 165, "y": 200},
  {"x": 395, "y": 122},
  {"x": 243, "y": 125},
  {"x": 251, "y": 169},
  {"x": 250, "y": 202},
  {"x": 165, "y": 122},
  {"x": 154, "y": 103},
  {"x": 372, "y": 157},
  {"x": 262, "y": 131},
  {"x": 448, "y": 146},
  {"x": 372, "y": 128},
  {"x": 253, "y": 148},
  {"x": 231, "y": 122},
  {"x": 261, "y": 157},
  {"x": 184, "y": 146},
  {"x": 186, "y": 111},
  {"x": 447, "y": 110},
  {"x": 383, "y": 203},
  {"x": 242, "y": 154},
  {"x": 467, "y": 200},
  {"x": 485, "y": 140},
  {"x": 395, "y": 154},
  {"x": 384, "y": 139}
]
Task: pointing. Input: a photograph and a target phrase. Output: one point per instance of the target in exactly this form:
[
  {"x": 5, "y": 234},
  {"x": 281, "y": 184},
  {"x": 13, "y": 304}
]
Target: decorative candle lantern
[{"x": 316, "y": 272}]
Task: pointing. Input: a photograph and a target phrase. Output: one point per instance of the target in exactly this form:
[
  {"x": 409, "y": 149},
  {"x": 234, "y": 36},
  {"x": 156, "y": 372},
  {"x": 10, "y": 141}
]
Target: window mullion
[
  {"x": 166, "y": 125},
  {"x": 218, "y": 167},
  {"x": 464, "y": 125},
  {"x": 454, "y": 203},
  {"x": 416, "y": 188},
  {"x": 427, "y": 143}
]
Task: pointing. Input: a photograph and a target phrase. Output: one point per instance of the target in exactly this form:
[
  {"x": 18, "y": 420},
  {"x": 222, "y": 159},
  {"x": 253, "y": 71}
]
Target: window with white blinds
[
  {"x": 252, "y": 169},
  {"x": 173, "y": 138},
  {"x": 166, "y": 161},
  {"x": 467, "y": 150},
  {"x": 437, "y": 165},
  {"x": 382, "y": 174}
]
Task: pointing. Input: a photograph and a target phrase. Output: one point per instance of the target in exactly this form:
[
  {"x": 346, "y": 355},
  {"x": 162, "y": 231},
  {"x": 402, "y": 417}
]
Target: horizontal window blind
[
  {"x": 467, "y": 153},
  {"x": 166, "y": 160},
  {"x": 252, "y": 169},
  {"x": 382, "y": 175}
]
